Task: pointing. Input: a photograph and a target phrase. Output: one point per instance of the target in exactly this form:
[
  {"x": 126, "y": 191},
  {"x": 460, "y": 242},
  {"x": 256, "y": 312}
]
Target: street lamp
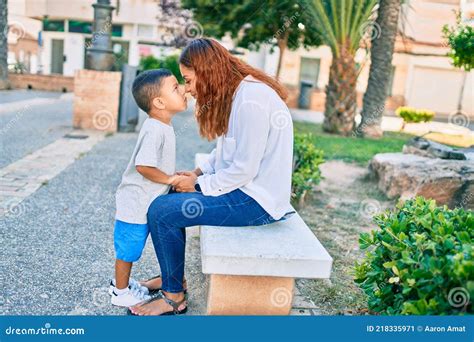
[{"x": 99, "y": 53}]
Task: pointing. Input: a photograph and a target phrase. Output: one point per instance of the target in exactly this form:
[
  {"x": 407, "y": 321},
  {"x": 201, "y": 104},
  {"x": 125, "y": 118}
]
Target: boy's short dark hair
[{"x": 147, "y": 85}]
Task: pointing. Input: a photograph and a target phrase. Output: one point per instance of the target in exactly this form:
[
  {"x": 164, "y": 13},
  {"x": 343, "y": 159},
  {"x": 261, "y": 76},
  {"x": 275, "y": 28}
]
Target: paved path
[
  {"x": 57, "y": 252},
  {"x": 23, "y": 177},
  {"x": 26, "y": 126},
  {"x": 8, "y": 96}
]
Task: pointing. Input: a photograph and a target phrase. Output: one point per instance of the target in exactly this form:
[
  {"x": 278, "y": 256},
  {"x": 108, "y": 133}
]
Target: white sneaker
[
  {"x": 129, "y": 298},
  {"x": 133, "y": 285}
]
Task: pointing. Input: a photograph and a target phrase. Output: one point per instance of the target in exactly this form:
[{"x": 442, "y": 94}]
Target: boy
[{"x": 149, "y": 174}]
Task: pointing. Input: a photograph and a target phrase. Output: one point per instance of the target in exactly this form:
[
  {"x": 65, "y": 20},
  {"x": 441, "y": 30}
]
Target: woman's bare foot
[
  {"x": 159, "y": 306},
  {"x": 157, "y": 283}
]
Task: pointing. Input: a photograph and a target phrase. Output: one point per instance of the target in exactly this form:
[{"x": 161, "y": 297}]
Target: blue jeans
[{"x": 169, "y": 215}]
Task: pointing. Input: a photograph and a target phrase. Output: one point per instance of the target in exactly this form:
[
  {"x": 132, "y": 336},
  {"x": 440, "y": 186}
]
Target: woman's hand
[{"x": 186, "y": 181}]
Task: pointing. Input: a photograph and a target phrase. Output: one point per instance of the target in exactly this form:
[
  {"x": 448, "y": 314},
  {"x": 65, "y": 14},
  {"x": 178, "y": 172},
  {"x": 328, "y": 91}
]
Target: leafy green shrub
[
  {"x": 460, "y": 39},
  {"x": 170, "y": 62},
  {"x": 306, "y": 161},
  {"x": 420, "y": 262},
  {"x": 409, "y": 114}
]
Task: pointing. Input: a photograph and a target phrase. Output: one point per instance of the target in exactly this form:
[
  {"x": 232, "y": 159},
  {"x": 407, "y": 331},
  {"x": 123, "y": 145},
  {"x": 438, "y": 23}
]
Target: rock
[
  {"x": 447, "y": 181},
  {"x": 431, "y": 149},
  {"x": 469, "y": 153},
  {"x": 408, "y": 149}
]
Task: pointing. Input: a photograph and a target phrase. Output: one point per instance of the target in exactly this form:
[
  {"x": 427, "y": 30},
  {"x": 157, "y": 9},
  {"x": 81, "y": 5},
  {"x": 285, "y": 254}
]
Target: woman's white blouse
[{"x": 256, "y": 154}]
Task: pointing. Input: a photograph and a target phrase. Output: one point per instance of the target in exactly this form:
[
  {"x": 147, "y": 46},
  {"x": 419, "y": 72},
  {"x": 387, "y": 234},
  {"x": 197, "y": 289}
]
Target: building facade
[
  {"x": 51, "y": 37},
  {"x": 422, "y": 74},
  {"x": 63, "y": 30}
]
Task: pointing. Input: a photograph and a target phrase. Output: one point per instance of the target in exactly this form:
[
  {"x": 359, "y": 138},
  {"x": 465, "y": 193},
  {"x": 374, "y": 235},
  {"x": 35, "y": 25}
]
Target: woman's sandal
[
  {"x": 174, "y": 304},
  {"x": 152, "y": 292}
]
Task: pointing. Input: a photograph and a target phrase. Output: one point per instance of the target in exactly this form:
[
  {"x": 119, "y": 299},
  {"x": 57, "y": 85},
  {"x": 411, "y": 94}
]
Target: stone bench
[{"x": 253, "y": 269}]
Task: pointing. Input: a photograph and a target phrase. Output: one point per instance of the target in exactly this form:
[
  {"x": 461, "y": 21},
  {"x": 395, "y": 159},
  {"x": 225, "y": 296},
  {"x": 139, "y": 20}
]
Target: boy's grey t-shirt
[{"x": 155, "y": 147}]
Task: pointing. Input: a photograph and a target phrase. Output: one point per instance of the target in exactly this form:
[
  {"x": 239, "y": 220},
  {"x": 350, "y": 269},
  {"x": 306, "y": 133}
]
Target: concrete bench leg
[{"x": 249, "y": 295}]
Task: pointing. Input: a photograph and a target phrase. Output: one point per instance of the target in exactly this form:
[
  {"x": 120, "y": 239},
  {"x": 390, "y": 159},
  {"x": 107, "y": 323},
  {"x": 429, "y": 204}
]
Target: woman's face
[{"x": 190, "y": 80}]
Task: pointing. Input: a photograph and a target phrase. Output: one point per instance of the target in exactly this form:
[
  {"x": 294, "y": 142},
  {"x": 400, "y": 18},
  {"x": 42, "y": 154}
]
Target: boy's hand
[
  {"x": 175, "y": 179},
  {"x": 197, "y": 172}
]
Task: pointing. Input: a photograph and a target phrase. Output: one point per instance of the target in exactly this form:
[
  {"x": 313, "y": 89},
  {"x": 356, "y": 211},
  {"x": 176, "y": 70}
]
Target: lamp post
[{"x": 99, "y": 53}]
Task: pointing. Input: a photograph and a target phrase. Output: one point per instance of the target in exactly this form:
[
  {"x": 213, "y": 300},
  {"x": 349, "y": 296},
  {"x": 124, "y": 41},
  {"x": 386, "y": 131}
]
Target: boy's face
[{"x": 172, "y": 95}]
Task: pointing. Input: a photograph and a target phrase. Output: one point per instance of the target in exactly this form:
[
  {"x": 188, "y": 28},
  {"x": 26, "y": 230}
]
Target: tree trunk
[
  {"x": 461, "y": 92},
  {"x": 380, "y": 68},
  {"x": 282, "y": 44},
  {"x": 341, "y": 98},
  {"x": 4, "y": 83}
]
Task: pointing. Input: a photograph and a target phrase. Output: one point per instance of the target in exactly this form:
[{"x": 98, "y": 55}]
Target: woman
[{"x": 247, "y": 179}]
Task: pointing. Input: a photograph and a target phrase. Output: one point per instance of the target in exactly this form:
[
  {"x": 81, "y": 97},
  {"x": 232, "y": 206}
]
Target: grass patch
[{"x": 352, "y": 149}]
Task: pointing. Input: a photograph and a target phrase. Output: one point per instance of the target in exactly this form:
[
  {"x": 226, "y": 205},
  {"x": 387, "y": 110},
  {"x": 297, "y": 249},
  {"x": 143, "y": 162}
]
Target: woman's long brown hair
[{"x": 218, "y": 74}]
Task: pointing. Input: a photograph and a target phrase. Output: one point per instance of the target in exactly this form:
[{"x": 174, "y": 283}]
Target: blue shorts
[{"x": 129, "y": 240}]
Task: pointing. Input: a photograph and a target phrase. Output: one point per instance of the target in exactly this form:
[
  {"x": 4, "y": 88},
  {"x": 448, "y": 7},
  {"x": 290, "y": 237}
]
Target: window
[
  {"x": 145, "y": 31},
  {"x": 309, "y": 70},
  {"x": 116, "y": 30},
  {"x": 87, "y": 27},
  {"x": 80, "y": 26},
  {"x": 53, "y": 25}
]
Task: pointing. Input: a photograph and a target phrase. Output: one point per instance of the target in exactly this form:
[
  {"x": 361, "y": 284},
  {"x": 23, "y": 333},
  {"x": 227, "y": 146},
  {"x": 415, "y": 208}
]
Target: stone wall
[
  {"x": 96, "y": 99},
  {"x": 42, "y": 82}
]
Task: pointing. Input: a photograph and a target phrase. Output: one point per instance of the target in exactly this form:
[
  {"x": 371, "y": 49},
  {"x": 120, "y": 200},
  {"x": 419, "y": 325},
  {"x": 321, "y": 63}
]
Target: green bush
[
  {"x": 409, "y": 114},
  {"x": 420, "y": 262},
  {"x": 170, "y": 62},
  {"x": 306, "y": 161},
  {"x": 460, "y": 39}
]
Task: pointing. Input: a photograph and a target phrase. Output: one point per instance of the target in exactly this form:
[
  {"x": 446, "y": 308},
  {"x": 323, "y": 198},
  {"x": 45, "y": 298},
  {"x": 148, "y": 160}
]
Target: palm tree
[
  {"x": 342, "y": 24},
  {"x": 381, "y": 53},
  {"x": 4, "y": 83}
]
